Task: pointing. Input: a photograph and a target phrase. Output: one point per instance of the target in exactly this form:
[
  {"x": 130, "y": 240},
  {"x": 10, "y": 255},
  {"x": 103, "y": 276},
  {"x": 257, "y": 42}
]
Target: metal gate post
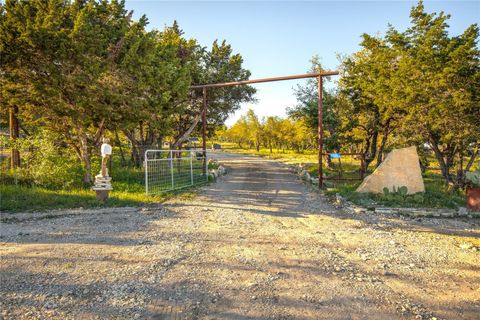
[
  {"x": 206, "y": 165},
  {"x": 320, "y": 132},
  {"x": 191, "y": 167},
  {"x": 146, "y": 172},
  {"x": 204, "y": 130},
  {"x": 171, "y": 168}
]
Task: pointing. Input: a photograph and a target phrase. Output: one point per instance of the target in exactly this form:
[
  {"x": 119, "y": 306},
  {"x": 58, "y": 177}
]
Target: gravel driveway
[{"x": 258, "y": 244}]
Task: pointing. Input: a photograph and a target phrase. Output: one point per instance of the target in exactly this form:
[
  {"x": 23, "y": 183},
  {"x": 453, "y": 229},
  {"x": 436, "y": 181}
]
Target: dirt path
[{"x": 256, "y": 245}]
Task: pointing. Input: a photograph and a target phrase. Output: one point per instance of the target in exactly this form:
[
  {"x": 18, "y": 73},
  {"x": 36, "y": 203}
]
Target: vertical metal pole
[
  {"x": 320, "y": 131},
  {"x": 204, "y": 131},
  {"x": 191, "y": 167},
  {"x": 14, "y": 135},
  {"x": 171, "y": 168},
  {"x": 206, "y": 166},
  {"x": 146, "y": 173}
]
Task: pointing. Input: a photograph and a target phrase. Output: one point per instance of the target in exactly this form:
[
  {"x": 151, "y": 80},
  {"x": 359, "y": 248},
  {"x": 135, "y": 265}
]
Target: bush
[{"x": 45, "y": 164}]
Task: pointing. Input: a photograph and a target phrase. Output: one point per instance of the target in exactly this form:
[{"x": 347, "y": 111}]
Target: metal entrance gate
[{"x": 167, "y": 170}]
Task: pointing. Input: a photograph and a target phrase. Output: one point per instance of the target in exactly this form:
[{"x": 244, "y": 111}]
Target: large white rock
[{"x": 400, "y": 168}]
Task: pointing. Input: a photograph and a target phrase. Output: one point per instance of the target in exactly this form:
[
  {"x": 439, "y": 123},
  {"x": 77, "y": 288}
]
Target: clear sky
[{"x": 278, "y": 38}]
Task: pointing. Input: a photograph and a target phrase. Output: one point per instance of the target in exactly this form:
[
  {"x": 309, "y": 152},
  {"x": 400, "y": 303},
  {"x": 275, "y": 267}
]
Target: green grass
[
  {"x": 25, "y": 199},
  {"x": 436, "y": 195},
  {"x": 287, "y": 156},
  {"x": 128, "y": 190}
]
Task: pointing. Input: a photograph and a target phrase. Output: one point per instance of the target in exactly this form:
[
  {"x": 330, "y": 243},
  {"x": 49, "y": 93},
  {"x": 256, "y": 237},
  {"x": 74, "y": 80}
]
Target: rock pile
[
  {"x": 102, "y": 186},
  {"x": 219, "y": 171},
  {"x": 102, "y": 183}
]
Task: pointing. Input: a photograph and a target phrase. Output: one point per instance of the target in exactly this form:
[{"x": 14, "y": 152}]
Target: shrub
[{"x": 45, "y": 164}]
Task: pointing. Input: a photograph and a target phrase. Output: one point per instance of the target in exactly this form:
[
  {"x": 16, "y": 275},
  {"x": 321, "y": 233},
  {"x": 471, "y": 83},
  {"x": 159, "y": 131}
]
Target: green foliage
[
  {"x": 398, "y": 195},
  {"x": 45, "y": 164},
  {"x": 403, "y": 190},
  {"x": 419, "y": 87},
  {"x": 270, "y": 132},
  {"x": 86, "y": 69},
  {"x": 306, "y": 110},
  {"x": 436, "y": 195},
  {"x": 473, "y": 178},
  {"x": 128, "y": 190}
]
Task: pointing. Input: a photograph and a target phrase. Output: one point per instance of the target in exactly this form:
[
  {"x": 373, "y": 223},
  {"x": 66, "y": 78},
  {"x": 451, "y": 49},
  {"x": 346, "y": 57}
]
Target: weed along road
[{"x": 257, "y": 244}]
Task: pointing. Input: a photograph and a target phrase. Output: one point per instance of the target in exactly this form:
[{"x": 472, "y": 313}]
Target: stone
[
  {"x": 385, "y": 210},
  {"x": 447, "y": 213},
  {"x": 339, "y": 199},
  {"x": 221, "y": 170},
  {"x": 304, "y": 175},
  {"x": 214, "y": 173},
  {"x": 466, "y": 246},
  {"x": 401, "y": 167},
  {"x": 462, "y": 212}
]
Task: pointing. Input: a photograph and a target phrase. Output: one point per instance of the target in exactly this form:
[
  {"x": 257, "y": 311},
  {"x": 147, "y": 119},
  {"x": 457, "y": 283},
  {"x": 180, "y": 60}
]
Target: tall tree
[
  {"x": 422, "y": 83},
  {"x": 254, "y": 129},
  {"x": 438, "y": 86},
  {"x": 63, "y": 52},
  {"x": 366, "y": 83}
]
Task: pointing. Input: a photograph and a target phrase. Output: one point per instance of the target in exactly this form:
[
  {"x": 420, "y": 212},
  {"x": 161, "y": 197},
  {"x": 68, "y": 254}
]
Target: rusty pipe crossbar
[
  {"x": 341, "y": 179},
  {"x": 237, "y": 83},
  {"x": 318, "y": 75}
]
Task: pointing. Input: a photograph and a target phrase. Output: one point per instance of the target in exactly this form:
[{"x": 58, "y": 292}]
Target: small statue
[
  {"x": 103, "y": 183},
  {"x": 106, "y": 151}
]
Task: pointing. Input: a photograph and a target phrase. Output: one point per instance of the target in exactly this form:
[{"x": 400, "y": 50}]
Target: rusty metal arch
[{"x": 318, "y": 75}]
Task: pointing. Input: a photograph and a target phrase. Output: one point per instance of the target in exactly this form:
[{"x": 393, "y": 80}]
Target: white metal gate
[{"x": 167, "y": 170}]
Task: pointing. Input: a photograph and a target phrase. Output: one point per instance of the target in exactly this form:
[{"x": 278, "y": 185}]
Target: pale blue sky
[{"x": 278, "y": 38}]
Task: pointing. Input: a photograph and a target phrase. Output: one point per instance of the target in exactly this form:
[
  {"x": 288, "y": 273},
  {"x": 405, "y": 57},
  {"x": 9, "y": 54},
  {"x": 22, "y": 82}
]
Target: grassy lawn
[
  {"x": 436, "y": 195},
  {"x": 128, "y": 190}
]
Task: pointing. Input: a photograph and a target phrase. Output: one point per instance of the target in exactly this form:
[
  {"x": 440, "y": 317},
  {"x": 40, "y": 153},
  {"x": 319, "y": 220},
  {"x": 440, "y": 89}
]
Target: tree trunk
[
  {"x": 14, "y": 135},
  {"x": 385, "y": 134},
  {"x": 122, "y": 154},
  {"x": 187, "y": 133},
  {"x": 370, "y": 149},
  {"x": 85, "y": 158},
  {"x": 444, "y": 166},
  {"x": 329, "y": 162},
  {"x": 135, "y": 147},
  {"x": 472, "y": 158},
  {"x": 459, "y": 179}
]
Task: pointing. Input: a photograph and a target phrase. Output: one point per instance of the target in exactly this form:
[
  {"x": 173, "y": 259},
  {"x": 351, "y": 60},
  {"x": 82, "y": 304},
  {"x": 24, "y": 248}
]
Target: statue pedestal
[
  {"x": 102, "y": 187},
  {"x": 102, "y": 195}
]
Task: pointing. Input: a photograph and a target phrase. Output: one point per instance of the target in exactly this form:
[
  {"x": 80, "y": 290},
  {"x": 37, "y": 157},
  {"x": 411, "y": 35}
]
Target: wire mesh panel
[{"x": 174, "y": 169}]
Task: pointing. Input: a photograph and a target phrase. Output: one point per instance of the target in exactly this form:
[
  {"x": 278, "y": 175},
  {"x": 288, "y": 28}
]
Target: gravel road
[{"x": 257, "y": 244}]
